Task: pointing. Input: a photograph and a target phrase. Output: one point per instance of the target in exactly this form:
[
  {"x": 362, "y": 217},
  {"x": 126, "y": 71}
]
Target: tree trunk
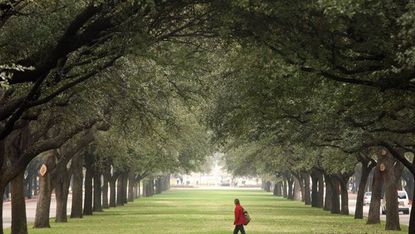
[
  {"x": 112, "y": 192},
  {"x": 158, "y": 187},
  {"x": 298, "y": 187},
  {"x": 314, "y": 191},
  {"x": 144, "y": 188},
  {"x": 135, "y": 190},
  {"x": 267, "y": 186},
  {"x": 284, "y": 189},
  {"x": 366, "y": 168},
  {"x": 105, "y": 204},
  {"x": 279, "y": 191},
  {"x": 290, "y": 183},
  {"x": 61, "y": 193},
  {"x": 374, "y": 209},
  {"x": 168, "y": 182},
  {"x": 76, "y": 211},
  {"x": 328, "y": 200},
  {"x": 320, "y": 197},
  {"x": 1, "y": 208},
  {"x": 391, "y": 177},
  {"x": 124, "y": 188},
  {"x": 97, "y": 192},
  {"x": 307, "y": 198},
  {"x": 152, "y": 187},
  {"x": 411, "y": 228},
  {"x": 131, "y": 183},
  {"x": 298, "y": 190},
  {"x": 343, "y": 181},
  {"x": 19, "y": 222},
  {"x": 335, "y": 202},
  {"x": 275, "y": 190},
  {"x": 43, "y": 202},
  {"x": 119, "y": 190},
  {"x": 88, "y": 192},
  {"x": 138, "y": 188}
]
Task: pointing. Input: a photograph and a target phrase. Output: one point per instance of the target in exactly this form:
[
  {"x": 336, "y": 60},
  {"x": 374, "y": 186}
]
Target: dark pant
[{"x": 239, "y": 228}]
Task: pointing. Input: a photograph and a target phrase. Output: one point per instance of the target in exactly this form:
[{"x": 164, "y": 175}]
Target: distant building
[{"x": 216, "y": 177}]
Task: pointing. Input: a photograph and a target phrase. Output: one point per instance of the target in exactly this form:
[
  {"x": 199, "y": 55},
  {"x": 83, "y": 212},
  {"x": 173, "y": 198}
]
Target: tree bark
[
  {"x": 335, "y": 202},
  {"x": 328, "y": 200},
  {"x": 1, "y": 208},
  {"x": 145, "y": 188},
  {"x": 279, "y": 189},
  {"x": 290, "y": 182},
  {"x": 120, "y": 190},
  {"x": 366, "y": 168},
  {"x": 131, "y": 183},
  {"x": 105, "y": 204},
  {"x": 97, "y": 192},
  {"x": 61, "y": 193},
  {"x": 124, "y": 188},
  {"x": 320, "y": 197},
  {"x": 284, "y": 189},
  {"x": 298, "y": 190},
  {"x": 391, "y": 176},
  {"x": 343, "y": 181},
  {"x": 314, "y": 191},
  {"x": 138, "y": 188},
  {"x": 19, "y": 222},
  {"x": 113, "y": 192},
  {"x": 275, "y": 190},
  {"x": 411, "y": 228},
  {"x": 45, "y": 191},
  {"x": 335, "y": 207},
  {"x": 135, "y": 190},
  {"x": 334, "y": 194},
  {"x": 374, "y": 209},
  {"x": 267, "y": 186},
  {"x": 43, "y": 203},
  {"x": 88, "y": 192},
  {"x": 76, "y": 211},
  {"x": 307, "y": 198},
  {"x": 160, "y": 188}
]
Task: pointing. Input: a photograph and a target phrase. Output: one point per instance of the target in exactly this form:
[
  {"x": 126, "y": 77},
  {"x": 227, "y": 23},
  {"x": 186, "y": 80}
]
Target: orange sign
[{"x": 43, "y": 170}]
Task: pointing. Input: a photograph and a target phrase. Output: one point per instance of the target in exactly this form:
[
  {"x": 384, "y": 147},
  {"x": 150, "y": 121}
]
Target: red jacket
[{"x": 239, "y": 215}]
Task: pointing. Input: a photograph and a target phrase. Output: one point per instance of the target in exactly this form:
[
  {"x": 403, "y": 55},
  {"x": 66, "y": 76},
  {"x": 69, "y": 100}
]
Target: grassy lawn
[{"x": 211, "y": 211}]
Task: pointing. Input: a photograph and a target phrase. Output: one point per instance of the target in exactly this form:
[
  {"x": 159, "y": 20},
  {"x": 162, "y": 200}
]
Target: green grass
[{"x": 211, "y": 211}]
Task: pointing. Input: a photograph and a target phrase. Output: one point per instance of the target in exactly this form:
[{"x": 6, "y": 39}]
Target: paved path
[{"x": 31, "y": 210}]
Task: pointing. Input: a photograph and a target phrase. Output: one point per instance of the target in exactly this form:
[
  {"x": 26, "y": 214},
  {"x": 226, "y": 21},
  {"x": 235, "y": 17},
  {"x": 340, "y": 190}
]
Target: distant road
[{"x": 403, "y": 218}]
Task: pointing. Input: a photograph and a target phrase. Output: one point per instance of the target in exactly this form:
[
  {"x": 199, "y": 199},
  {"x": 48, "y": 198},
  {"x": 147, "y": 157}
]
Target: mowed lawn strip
[{"x": 211, "y": 211}]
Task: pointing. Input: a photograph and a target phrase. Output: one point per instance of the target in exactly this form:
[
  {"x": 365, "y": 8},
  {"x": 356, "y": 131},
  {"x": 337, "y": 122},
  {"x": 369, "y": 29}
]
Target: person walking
[{"x": 240, "y": 220}]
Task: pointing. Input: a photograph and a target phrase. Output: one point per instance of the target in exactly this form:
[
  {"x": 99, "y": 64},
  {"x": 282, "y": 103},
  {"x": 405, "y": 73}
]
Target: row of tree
[
  {"x": 286, "y": 88},
  {"x": 101, "y": 94},
  {"x": 314, "y": 89}
]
